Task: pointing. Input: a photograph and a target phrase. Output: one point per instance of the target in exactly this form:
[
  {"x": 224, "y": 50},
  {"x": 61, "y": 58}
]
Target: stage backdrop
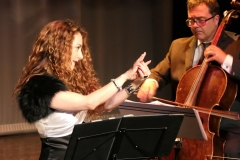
[{"x": 119, "y": 31}]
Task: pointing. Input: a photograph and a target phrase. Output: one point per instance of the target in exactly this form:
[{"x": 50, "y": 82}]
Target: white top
[
  {"x": 59, "y": 124},
  {"x": 198, "y": 54}
]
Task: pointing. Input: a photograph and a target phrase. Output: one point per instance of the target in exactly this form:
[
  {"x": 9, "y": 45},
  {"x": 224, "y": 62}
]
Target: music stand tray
[
  {"x": 124, "y": 138},
  {"x": 191, "y": 126}
]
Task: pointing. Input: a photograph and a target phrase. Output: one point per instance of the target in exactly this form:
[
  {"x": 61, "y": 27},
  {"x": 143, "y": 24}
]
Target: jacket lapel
[{"x": 190, "y": 54}]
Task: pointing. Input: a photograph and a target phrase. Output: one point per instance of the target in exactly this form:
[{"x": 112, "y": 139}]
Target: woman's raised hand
[{"x": 139, "y": 70}]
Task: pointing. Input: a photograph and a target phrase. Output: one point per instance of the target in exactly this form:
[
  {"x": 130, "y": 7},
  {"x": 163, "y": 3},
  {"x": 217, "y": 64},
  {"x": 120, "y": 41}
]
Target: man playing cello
[{"x": 185, "y": 53}]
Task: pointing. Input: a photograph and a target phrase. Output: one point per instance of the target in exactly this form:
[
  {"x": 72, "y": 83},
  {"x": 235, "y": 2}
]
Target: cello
[{"x": 209, "y": 86}]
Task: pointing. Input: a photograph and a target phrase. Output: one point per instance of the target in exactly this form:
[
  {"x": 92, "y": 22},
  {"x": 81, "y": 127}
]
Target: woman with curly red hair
[{"x": 58, "y": 87}]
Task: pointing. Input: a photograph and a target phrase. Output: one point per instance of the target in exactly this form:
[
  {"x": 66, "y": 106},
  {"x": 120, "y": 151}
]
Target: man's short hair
[{"x": 213, "y": 5}]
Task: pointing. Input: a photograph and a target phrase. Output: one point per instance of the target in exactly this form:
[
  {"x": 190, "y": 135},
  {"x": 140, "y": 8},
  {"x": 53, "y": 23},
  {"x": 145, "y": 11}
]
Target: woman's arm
[{"x": 71, "y": 101}]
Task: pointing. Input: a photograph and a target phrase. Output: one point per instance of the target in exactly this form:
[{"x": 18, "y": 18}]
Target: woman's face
[{"x": 76, "y": 50}]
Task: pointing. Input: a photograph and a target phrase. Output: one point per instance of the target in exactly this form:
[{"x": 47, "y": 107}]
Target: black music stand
[
  {"x": 191, "y": 126},
  {"x": 138, "y": 137}
]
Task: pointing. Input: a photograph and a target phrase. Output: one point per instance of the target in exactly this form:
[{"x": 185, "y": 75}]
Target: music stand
[
  {"x": 138, "y": 137},
  {"x": 191, "y": 121}
]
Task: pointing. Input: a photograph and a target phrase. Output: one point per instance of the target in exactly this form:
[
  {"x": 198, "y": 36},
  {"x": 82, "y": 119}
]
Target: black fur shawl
[{"x": 35, "y": 97}]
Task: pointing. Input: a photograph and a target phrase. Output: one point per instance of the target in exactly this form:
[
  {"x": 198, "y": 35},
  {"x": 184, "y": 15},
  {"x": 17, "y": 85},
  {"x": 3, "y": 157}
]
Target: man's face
[{"x": 205, "y": 30}]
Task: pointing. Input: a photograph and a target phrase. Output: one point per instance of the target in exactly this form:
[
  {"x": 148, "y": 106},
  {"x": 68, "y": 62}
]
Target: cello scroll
[{"x": 235, "y": 4}]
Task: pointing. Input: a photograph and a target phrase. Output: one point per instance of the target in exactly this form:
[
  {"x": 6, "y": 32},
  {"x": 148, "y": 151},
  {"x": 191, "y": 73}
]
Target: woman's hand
[
  {"x": 139, "y": 70},
  {"x": 143, "y": 70}
]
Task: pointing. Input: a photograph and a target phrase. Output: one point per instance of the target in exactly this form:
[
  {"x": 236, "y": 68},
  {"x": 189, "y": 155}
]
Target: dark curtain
[{"x": 119, "y": 31}]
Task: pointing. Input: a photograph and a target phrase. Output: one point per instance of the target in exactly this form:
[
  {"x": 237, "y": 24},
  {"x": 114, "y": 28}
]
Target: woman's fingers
[
  {"x": 148, "y": 62},
  {"x": 140, "y": 59},
  {"x": 140, "y": 67},
  {"x": 144, "y": 66}
]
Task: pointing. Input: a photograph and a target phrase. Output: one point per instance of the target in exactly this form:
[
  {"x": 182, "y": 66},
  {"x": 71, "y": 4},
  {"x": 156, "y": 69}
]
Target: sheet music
[{"x": 153, "y": 102}]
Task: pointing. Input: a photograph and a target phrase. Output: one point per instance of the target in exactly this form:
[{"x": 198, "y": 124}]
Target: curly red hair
[{"x": 52, "y": 54}]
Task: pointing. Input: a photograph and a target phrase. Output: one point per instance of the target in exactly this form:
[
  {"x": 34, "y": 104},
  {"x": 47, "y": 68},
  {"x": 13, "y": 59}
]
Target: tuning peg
[
  {"x": 235, "y": 4},
  {"x": 235, "y": 16},
  {"x": 225, "y": 13}
]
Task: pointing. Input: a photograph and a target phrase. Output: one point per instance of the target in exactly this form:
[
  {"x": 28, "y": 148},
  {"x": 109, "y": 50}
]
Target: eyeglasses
[{"x": 200, "y": 22}]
